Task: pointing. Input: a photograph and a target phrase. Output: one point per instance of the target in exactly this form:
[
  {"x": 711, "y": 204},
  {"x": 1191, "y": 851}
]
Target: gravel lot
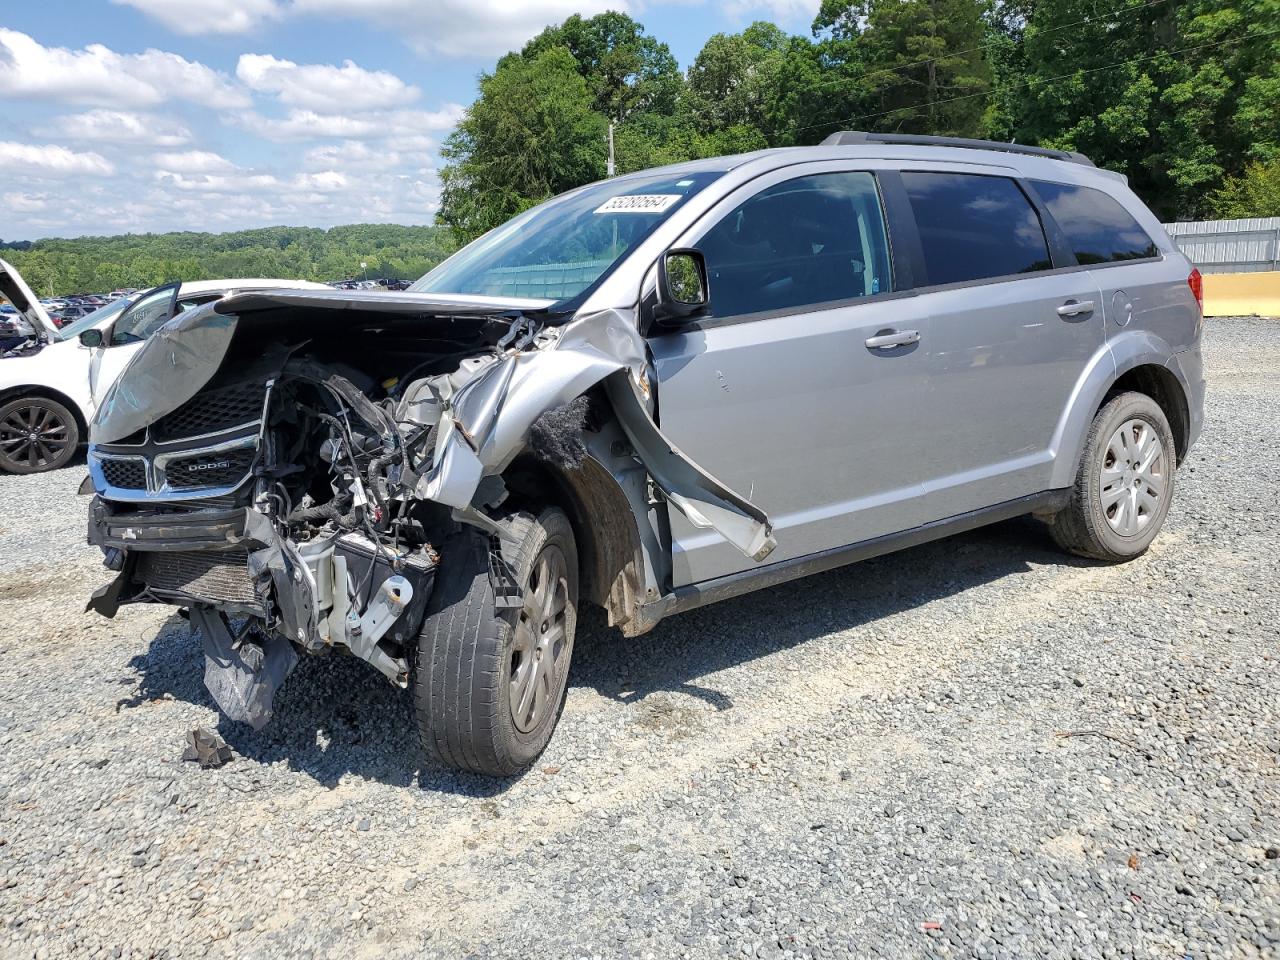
[{"x": 977, "y": 748}]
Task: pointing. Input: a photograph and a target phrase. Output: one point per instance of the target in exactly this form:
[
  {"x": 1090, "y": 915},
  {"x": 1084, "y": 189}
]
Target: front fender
[{"x": 489, "y": 420}]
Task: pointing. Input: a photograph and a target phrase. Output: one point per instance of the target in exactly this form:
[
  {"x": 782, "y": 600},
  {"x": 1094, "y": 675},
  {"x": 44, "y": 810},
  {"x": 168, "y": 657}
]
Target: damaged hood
[
  {"x": 184, "y": 354},
  {"x": 457, "y": 304},
  {"x": 14, "y": 289}
]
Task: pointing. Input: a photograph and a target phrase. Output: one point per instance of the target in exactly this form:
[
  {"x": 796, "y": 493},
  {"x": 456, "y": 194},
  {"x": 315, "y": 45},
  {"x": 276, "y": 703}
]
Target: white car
[{"x": 51, "y": 384}]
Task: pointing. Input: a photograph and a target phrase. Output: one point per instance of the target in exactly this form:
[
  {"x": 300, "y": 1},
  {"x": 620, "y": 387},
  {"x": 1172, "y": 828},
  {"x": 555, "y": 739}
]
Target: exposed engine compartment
[{"x": 301, "y": 458}]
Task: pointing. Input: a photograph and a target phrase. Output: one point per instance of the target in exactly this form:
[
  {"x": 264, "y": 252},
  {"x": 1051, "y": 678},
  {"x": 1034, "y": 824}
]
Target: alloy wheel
[
  {"x": 540, "y": 640},
  {"x": 1134, "y": 478},
  {"x": 33, "y": 436}
]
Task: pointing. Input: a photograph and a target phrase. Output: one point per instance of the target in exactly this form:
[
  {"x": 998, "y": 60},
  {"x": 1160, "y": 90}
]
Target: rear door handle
[
  {"x": 1073, "y": 308},
  {"x": 893, "y": 338}
]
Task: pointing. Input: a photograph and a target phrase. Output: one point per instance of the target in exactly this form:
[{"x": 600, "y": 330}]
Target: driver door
[
  {"x": 125, "y": 337},
  {"x": 802, "y": 390}
]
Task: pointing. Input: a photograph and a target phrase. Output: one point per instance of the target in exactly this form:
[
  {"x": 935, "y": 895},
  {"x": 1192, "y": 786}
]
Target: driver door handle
[
  {"x": 1074, "y": 308},
  {"x": 893, "y": 338}
]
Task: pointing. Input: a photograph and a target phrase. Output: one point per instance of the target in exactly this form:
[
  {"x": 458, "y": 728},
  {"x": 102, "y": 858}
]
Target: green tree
[
  {"x": 1174, "y": 95},
  {"x": 530, "y": 135},
  {"x": 626, "y": 71},
  {"x": 920, "y": 65},
  {"x": 1255, "y": 194}
]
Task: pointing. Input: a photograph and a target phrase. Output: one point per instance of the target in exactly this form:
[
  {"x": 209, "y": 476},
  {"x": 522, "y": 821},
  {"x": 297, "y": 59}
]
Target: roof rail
[{"x": 847, "y": 138}]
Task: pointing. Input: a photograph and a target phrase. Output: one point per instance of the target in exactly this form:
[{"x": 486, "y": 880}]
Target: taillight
[{"x": 1196, "y": 283}]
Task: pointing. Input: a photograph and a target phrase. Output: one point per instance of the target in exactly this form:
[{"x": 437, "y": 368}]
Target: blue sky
[{"x": 149, "y": 115}]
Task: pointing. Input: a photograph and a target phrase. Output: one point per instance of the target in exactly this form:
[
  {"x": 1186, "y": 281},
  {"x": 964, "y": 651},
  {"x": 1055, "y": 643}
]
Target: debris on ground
[{"x": 207, "y": 748}]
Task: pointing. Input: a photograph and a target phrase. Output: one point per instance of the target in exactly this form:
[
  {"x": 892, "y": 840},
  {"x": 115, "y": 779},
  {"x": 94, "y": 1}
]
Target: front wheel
[
  {"x": 1124, "y": 483},
  {"x": 491, "y": 680},
  {"x": 36, "y": 434}
]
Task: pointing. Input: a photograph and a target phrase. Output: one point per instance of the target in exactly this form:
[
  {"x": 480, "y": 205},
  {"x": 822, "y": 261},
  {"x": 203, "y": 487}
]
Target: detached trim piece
[{"x": 736, "y": 584}]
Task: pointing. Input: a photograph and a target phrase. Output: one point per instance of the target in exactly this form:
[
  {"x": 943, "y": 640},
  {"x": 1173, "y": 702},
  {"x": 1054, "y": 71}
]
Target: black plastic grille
[
  {"x": 125, "y": 474},
  {"x": 209, "y": 469},
  {"x": 211, "y": 411},
  {"x": 221, "y": 576}
]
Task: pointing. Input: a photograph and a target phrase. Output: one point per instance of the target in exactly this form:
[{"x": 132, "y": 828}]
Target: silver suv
[{"x": 650, "y": 394}]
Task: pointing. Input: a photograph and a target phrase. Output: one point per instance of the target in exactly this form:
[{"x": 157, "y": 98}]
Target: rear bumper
[{"x": 1188, "y": 367}]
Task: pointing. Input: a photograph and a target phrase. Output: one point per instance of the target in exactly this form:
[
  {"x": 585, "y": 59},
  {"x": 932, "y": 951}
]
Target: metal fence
[{"x": 1230, "y": 246}]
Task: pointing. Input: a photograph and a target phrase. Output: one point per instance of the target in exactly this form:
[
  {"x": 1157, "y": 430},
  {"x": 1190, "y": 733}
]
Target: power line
[
  {"x": 983, "y": 46},
  {"x": 1063, "y": 76}
]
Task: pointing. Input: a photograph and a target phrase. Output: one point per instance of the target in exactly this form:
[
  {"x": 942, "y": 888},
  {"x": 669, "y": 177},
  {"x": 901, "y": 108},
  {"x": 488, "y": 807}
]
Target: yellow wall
[{"x": 1242, "y": 294}]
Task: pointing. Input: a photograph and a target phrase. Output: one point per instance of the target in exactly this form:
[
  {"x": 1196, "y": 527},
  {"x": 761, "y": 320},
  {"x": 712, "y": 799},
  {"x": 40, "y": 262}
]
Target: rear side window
[
  {"x": 1098, "y": 228},
  {"x": 804, "y": 242},
  {"x": 974, "y": 227}
]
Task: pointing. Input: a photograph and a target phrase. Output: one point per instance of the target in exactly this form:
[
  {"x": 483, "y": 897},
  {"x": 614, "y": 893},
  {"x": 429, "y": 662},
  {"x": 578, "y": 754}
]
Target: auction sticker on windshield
[{"x": 639, "y": 203}]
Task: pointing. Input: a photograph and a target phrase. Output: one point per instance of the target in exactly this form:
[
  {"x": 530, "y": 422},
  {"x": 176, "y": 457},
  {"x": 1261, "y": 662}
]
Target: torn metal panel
[
  {"x": 703, "y": 499},
  {"x": 242, "y": 670}
]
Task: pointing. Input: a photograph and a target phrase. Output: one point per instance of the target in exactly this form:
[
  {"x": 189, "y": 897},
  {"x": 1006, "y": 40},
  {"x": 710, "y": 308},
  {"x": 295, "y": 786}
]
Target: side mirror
[
  {"x": 682, "y": 287},
  {"x": 91, "y": 338}
]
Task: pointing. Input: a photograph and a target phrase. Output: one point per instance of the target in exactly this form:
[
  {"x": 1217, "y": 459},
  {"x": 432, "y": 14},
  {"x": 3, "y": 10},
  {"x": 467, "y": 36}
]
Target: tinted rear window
[
  {"x": 1098, "y": 228},
  {"x": 974, "y": 227}
]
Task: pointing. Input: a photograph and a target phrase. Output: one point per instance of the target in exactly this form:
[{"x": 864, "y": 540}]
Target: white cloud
[
  {"x": 322, "y": 87},
  {"x": 460, "y": 27},
  {"x": 775, "y": 10},
  {"x": 98, "y": 76},
  {"x": 119, "y": 126},
  {"x": 206, "y": 16},
  {"x": 51, "y": 161},
  {"x": 24, "y": 202},
  {"x": 193, "y": 161},
  {"x": 372, "y": 125}
]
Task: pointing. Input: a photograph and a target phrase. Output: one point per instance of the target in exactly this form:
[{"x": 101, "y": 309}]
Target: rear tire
[
  {"x": 36, "y": 434},
  {"x": 1124, "y": 483},
  {"x": 490, "y": 682}
]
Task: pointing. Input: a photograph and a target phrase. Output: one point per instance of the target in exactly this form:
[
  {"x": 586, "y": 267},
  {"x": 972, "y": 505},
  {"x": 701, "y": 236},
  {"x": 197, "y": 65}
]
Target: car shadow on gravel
[
  {"x": 726, "y": 634},
  {"x": 336, "y": 716}
]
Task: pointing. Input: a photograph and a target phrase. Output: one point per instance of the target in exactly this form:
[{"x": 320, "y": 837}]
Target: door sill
[{"x": 736, "y": 584}]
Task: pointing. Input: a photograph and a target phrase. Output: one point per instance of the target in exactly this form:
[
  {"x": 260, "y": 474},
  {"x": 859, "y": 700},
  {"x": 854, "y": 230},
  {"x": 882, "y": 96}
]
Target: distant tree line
[
  {"x": 1182, "y": 96},
  {"x": 97, "y": 264}
]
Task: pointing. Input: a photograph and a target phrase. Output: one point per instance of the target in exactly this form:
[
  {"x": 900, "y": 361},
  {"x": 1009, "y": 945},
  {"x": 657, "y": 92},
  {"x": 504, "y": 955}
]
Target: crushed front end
[
  {"x": 277, "y": 504},
  {"x": 285, "y": 464}
]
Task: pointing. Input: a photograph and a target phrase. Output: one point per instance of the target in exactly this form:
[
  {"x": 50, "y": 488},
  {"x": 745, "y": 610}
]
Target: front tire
[
  {"x": 36, "y": 434},
  {"x": 491, "y": 681},
  {"x": 1124, "y": 483}
]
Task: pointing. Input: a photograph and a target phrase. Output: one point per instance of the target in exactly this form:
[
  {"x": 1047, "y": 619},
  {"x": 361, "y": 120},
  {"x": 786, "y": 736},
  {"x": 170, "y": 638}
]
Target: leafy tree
[
  {"x": 1175, "y": 95},
  {"x": 531, "y": 135},
  {"x": 627, "y": 72},
  {"x": 1255, "y": 194},
  {"x": 921, "y": 65},
  {"x": 98, "y": 264}
]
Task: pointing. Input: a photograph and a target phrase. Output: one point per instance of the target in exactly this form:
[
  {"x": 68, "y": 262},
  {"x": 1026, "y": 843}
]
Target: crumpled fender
[{"x": 490, "y": 417}]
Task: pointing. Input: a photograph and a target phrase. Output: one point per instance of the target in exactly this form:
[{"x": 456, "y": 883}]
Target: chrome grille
[
  {"x": 209, "y": 469},
  {"x": 126, "y": 474},
  {"x": 212, "y": 411}
]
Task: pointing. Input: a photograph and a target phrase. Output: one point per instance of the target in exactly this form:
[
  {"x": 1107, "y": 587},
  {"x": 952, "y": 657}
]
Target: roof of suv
[{"x": 1030, "y": 160}]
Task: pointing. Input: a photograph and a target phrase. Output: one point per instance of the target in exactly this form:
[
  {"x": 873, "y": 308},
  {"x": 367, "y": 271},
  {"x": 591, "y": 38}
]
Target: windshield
[
  {"x": 73, "y": 330},
  {"x": 559, "y": 249}
]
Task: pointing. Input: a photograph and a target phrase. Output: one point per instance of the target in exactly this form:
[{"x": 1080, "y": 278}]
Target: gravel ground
[{"x": 976, "y": 748}]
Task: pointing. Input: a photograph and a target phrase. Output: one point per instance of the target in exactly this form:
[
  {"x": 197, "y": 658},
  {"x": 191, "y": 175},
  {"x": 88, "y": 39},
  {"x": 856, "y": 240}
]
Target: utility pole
[{"x": 613, "y": 167}]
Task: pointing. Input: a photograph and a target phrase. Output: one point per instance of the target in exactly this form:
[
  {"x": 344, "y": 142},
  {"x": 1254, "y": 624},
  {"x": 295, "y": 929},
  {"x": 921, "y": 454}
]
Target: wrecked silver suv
[{"x": 879, "y": 340}]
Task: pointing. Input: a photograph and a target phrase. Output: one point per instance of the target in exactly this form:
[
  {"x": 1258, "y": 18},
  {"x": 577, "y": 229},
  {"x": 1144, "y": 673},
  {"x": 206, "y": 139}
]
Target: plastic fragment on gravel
[{"x": 206, "y": 748}]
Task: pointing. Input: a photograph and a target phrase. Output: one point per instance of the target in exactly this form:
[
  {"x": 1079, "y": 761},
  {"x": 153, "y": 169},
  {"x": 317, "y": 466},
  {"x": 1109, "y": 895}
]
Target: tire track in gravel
[{"x": 812, "y": 694}]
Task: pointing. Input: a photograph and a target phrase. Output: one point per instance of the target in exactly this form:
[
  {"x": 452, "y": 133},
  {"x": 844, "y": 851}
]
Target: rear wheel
[
  {"x": 36, "y": 434},
  {"x": 491, "y": 681},
  {"x": 1124, "y": 483}
]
